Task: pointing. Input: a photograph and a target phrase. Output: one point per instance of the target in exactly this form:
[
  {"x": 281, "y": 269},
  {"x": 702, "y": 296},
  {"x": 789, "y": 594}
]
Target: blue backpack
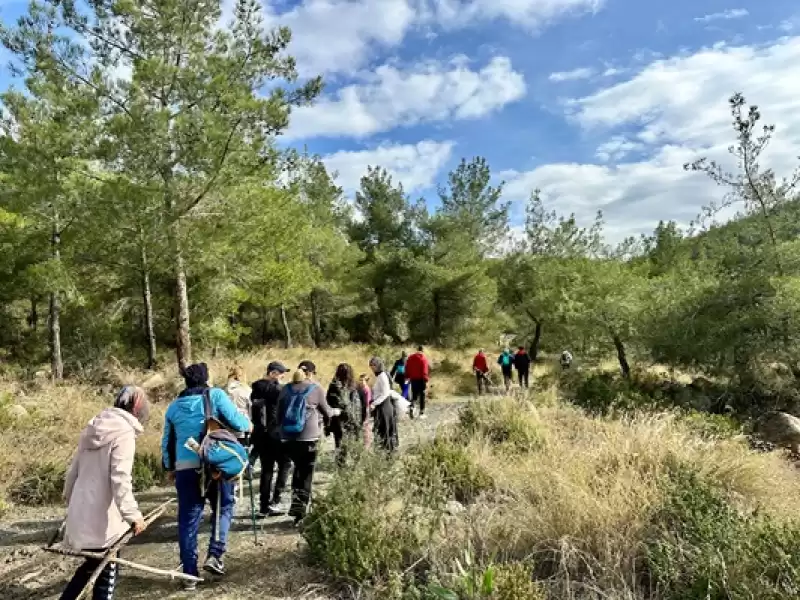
[
  {"x": 220, "y": 449},
  {"x": 294, "y": 419},
  {"x": 505, "y": 359}
]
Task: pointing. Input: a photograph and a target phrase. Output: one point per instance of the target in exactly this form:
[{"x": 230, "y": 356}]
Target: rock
[
  {"x": 454, "y": 507},
  {"x": 781, "y": 429}
]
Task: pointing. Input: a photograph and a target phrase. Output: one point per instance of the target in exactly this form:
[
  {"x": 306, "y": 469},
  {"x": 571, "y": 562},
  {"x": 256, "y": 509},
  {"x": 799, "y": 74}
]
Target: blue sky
[{"x": 597, "y": 102}]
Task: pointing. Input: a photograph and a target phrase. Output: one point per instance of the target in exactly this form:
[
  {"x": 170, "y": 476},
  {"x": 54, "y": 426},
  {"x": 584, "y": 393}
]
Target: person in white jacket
[
  {"x": 384, "y": 407},
  {"x": 98, "y": 490}
]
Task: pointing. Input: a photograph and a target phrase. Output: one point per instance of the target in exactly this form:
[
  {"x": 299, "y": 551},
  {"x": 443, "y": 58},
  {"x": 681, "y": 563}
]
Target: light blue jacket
[{"x": 186, "y": 419}]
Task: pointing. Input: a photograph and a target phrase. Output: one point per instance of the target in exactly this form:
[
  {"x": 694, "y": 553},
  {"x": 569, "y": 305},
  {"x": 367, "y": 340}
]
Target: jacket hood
[{"x": 109, "y": 426}]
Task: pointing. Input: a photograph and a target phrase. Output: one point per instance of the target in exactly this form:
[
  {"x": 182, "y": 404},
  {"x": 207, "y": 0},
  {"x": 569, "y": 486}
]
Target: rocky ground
[{"x": 274, "y": 569}]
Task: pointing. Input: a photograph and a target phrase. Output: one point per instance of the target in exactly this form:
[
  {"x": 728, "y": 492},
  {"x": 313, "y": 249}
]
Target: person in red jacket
[
  {"x": 418, "y": 374},
  {"x": 480, "y": 367}
]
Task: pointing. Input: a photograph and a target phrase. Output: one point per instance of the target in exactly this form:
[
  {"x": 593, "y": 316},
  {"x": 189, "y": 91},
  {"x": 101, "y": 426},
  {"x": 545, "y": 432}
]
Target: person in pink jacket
[{"x": 99, "y": 489}]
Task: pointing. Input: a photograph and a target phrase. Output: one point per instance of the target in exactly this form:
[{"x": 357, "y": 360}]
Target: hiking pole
[{"x": 252, "y": 507}]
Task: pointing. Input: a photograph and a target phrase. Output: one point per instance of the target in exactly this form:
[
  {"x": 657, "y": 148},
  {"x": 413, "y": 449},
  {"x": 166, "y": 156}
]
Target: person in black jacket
[
  {"x": 266, "y": 440},
  {"x": 398, "y": 374},
  {"x": 522, "y": 363},
  {"x": 343, "y": 394}
]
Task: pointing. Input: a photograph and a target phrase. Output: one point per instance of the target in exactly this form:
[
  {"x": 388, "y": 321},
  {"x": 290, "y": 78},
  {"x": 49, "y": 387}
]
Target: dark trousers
[
  {"x": 483, "y": 382},
  {"x": 418, "y": 387},
  {"x": 523, "y": 377},
  {"x": 272, "y": 454},
  {"x": 103, "y": 587},
  {"x": 304, "y": 457},
  {"x": 507, "y": 377}
]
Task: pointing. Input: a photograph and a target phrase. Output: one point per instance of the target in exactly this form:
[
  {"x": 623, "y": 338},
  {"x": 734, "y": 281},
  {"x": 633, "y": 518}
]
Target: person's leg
[
  {"x": 190, "y": 514},
  {"x": 422, "y": 392},
  {"x": 524, "y": 375},
  {"x": 267, "y": 468},
  {"x": 304, "y": 456},
  {"x": 79, "y": 579},
  {"x": 414, "y": 385},
  {"x": 221, "y": 497},
  {"x": 106, "y": 582},
  {"x": 284, "y": 465}
]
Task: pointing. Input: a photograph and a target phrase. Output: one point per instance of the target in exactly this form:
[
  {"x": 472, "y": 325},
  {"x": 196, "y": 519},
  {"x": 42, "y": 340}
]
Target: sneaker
[
  {"x": 276, "y": 510},
  {"x": 423, "y": 416},
  {"x": 214, "y": 565},
  {"x": 189, "y": 586}
]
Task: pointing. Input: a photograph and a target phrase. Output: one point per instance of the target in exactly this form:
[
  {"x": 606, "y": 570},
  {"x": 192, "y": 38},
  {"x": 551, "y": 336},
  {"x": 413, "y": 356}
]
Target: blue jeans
[{"x": 191, "y": 503}]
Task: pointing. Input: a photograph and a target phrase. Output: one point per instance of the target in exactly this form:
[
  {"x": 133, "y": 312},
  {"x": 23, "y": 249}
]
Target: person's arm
[
  {"x": 393, "y": 371},
  {"x": 426, "y": 368},
  {"x": 72, "y": 474},
  {"x": 380, "y": 391},
  {"x": 168, "y": 444},
  {"x": 121, "y": 467},
  {"x": 322, "y": 404},
  {"x": 229, "y": 413}
]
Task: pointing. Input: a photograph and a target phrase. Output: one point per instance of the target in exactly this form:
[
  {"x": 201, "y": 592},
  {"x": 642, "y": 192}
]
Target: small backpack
[
  {"x": 220, "y": 449},
  {"x": 294, "y": 419},
  {"x": 506, "y": 359}
]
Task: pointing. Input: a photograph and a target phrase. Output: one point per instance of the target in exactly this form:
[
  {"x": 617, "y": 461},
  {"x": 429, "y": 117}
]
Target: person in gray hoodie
[{"x": 99, "y": 489}]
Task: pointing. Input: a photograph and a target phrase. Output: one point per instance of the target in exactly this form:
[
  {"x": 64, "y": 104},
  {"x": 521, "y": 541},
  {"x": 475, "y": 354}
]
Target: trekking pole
[{"x": 253, "y": 509}]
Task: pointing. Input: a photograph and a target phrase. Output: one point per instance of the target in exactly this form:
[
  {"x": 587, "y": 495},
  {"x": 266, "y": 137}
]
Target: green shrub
[
  {"x": 513, "y": 581},
  {"x": 709, "y": 425},
  {"x": 502, "y": 422},
  {"x": 40, "y": 485},
  {"x": 446, "y": 464},
  {"x": 148, "y": 471},
  {"x": 448, "y": 366},
  {"x": 700, "y": 547}
]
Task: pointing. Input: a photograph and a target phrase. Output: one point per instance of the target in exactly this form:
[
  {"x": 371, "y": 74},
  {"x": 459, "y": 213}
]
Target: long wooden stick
[
  {"x": 126, "y": 563},
  {"x": 111, "y": 553}
]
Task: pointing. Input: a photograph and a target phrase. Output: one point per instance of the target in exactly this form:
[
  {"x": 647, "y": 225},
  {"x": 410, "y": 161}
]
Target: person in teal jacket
[{"x": 185, "y": 419}]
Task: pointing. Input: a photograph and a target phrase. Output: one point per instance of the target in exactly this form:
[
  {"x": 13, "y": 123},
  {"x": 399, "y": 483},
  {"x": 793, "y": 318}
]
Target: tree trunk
[
  {"x": 316, "y": 329},
  {"x": 147, "y": 299},
  {"x": 537, "y": 336},
  {"x": 33, "y": 316},
  {"x": 286, "y": 331},
  {"x": 56, "y": 362},
  {"x": 264, "y": 327},
  {"x": 621, "y": 356}
]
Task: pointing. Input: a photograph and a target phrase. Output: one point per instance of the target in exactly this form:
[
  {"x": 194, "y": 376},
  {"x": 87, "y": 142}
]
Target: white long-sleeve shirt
[{"x": 383, "y": 390}]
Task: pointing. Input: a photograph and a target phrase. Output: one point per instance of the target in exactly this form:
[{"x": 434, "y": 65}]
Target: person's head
[
  {"x": 345, "y": 376},
  {"x": 276, "y": 370},
  {"x": 236, "y": 373},
  {"x": 363, "y": 380},
  {"x": 133, "y": 399},
  {"x": 420, "y": 349},
  {"x": 376, "y": 364},
  {"x": 196, "y": 375},
  {"x": 480, "y": 351},
  {"x": 522, "y": 348},
  {"x": 305, "y": 372},
  {"x": 507, "y": 350},
  {"x": 404, "y": 355}
]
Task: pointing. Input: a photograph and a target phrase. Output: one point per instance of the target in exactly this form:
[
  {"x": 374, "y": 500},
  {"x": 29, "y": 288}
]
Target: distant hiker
[
  {"x": 506, "y": 362},
  {"x": 99, "y": 489},
  {"x": 398, "y": 374},
  {"x": 566, "y": 359},
  {"x": 384, "y": 407},
  {"x": 418, "y": 374},
  {"x": 480, "y": 366},
  {"x": 342, "y": 394},
  {"x": 302, "y": 407},
  {"x": 366, "y": 397},
  {"x": 522, "y": 363},
  {"x": 267, "y": 444},
  {"x": 186, "y": 419}
]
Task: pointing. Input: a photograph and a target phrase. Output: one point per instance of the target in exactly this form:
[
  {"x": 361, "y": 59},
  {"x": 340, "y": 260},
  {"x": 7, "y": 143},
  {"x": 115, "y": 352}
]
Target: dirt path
[{"x": 276, "y": 569}]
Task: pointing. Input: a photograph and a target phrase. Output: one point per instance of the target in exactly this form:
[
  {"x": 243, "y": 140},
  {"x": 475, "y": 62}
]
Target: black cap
[
  {"x": 276, "y": 366},
  {"x": 307, "y": 366}
]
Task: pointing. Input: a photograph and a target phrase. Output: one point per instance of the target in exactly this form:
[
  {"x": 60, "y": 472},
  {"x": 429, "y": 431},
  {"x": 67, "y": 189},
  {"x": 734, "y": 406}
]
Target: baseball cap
[
  {"x": 276, "y": 366},
  {"x": 307, "y": 366}
]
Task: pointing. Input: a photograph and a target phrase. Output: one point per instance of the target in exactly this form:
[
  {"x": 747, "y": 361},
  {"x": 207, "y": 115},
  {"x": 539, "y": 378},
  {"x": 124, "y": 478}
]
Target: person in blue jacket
[{"x": 185, "y": 419}]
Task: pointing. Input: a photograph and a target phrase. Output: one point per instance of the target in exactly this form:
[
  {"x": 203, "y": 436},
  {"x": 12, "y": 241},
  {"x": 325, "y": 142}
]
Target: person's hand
[
  {"x": 336, "y": 412},
  {"x": 171, "y": 476},
  {"x": 139, "y": 526}
]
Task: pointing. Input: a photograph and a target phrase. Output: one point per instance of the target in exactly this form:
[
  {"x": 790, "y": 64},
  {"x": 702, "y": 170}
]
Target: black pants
[
  {"x": 507, "y": 377},
  {"x": 103, "y": 587},
  {"x": 483, "y": 382},
  {"x": 272, "y": 454},
  {"x": 523, "y": 377},
  {"x": 304, "y": 457},
  {"x": 418, "y": 387}
]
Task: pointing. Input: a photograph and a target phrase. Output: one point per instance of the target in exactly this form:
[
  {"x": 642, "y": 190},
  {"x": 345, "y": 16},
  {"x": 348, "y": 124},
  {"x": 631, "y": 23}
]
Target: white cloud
[
  {"x": 531, "y": 14},
  {"x": 414, "y": 165},
  {"x": 726, "y": 15},
  {"x": 573, "y": 75},
  {"x": 428, "y": 92},
  {"x": 673, "y": 111}
]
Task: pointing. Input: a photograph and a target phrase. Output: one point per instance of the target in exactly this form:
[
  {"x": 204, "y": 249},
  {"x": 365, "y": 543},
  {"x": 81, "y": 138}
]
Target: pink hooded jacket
[{"x": 99, "y": 486}]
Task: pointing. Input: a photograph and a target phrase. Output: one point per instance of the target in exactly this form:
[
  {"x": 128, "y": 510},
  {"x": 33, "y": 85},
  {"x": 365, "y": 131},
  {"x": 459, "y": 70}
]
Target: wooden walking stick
[
  {"x": 126, "y": 563},
  {"x": 110, "y": 554}
]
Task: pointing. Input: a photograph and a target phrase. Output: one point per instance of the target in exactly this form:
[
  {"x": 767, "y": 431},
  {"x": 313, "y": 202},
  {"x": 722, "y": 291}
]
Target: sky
[{"x": 597, "y": 103}]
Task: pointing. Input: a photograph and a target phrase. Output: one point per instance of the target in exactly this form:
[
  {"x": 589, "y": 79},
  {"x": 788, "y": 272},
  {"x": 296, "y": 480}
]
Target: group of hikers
[
  {"x": 278, "y": 424},
  {"x": 508, "y": 361}
]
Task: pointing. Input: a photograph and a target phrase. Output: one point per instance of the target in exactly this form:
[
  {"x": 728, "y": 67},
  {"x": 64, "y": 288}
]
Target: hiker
[
  {"x": 366, "y": 397},
  {"x": 99, "y": 490},
  {"x": 566, "y": 359},
  {"x": 418, "y": 374},
  {"x": 342, "y": 394},
  {"x": 522, "y": 363},
  {"x": 384, "y": 407},
  {"x": 302, "y": 405},
  {"x": 267, "y": 444},
  {"x": 185, "y": 419},
  {"x": 506, "y": 362},
  {"x": 240, "y": 394},
  {"x": 398, "y": 374},
  {"x": 480, "y": 366}
]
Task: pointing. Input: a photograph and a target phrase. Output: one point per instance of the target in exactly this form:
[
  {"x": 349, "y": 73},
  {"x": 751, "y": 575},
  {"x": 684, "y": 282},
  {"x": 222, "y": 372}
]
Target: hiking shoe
[
  {"x": 423, "y": 416},
  {"x": 275, "y": 510},
  {"x": 189, "y": 586},
  {"x": 214, "y": 565}
]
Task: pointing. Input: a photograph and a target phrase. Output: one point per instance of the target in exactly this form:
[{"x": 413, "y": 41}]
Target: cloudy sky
[{"x": 597, "y": 102}]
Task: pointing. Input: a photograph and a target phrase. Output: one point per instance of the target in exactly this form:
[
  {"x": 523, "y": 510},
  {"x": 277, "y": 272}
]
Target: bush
[
  {"x": 711, "y": 426},
  {"x": 148, "y": 471},
  {"x": 514, "y": 582},
  {"x": 40, "y": 485},
  {"x": 502, "y": 422},
  {"x": 447, "y": 464},
  {"x": 701, "y": 547}
]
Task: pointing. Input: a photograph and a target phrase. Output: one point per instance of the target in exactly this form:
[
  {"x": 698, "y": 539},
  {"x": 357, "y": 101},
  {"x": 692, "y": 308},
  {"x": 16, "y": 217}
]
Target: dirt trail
[{"x": 276, "y": 569}]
